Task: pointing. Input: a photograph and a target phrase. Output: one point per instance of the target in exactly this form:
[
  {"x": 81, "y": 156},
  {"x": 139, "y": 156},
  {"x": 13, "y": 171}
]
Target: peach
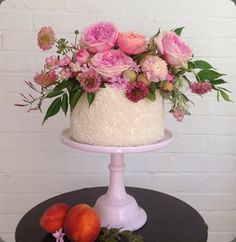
[
  {"x": 53, "y": 217},
  {"x": 82, "y": 224}
]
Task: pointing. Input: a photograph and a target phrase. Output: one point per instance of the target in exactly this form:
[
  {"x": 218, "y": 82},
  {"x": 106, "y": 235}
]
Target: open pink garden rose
[
  {"x": 132, "y": 43},
  {"x": 111, "y": 63},
  {"x": 174, "y": 50},
  {"x": 99, "y": 37}
]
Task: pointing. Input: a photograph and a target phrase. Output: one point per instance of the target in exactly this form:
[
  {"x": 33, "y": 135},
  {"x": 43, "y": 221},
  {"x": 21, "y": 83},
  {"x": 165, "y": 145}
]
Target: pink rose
[
  {"x": 173, "y": 49},
  {"x": 82, "y": 56},
  {"x": 132, "y": 43},
  {"x": 111, "y": 63},
  {"x": 99, "y": 37},
  {"x": 155, "y": 68}
]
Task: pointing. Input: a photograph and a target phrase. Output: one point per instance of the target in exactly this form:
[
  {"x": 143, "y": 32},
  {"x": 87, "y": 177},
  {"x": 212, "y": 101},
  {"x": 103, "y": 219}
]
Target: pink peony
[
  {"x": 45, "y": 79},
  {"x": 136, "y": 91},
  {"x": 82, "y": 56},
  {"x": 90, "y": 81},
  {"x": 132, "y": 43},
  {"x": 99, "y": 37},
  {"x": 111, "y": 63},
  {"x": 46, "y": 38},
  {"x": 155, "y": 68},
  {"x": 200, "y": 87},
  {"x": 173, "y": 49}
]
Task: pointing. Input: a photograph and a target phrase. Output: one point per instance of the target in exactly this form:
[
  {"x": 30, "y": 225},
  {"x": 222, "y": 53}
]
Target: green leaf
[
  {"x": 90, "y": 97},
  {"x": 191, "y": 65},
  {"x": 203, "y": 65},
  {"x": 209, "y": 75},
  {"x": 151, "y": 96},
  {"x": 225, "y": 96},
  {"x": 69, "y": 84},
  {"x": 218, "y": 82},
  {"x": 178, "y": 31},
  {"x": 54, "y": 94},
  {"x": 74, "y": 98},
  {"x": 64, "y": 103},
  {"x": 53, "y": 109},
  {"x": 153, "y": 87}
]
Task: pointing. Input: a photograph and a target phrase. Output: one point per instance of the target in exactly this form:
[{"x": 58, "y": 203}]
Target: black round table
[{"x": 169, "y": 219}]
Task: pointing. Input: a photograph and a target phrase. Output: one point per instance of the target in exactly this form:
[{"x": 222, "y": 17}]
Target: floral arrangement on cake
[{"x": 141, "y": 66}]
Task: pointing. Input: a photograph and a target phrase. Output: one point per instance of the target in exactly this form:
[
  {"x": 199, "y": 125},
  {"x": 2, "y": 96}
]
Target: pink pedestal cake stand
[{"x": 116, "y": 208}]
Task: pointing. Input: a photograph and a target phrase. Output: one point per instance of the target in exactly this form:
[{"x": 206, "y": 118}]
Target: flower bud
[
  {"x": 143, "y": 78},
  {"x": 130, "y": 74}
]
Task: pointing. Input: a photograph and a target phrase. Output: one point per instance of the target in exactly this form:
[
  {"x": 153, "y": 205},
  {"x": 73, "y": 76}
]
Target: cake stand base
[{"x": 116, "y": 208}]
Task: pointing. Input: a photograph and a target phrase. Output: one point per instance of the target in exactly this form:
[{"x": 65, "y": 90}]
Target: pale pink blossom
[
  {"x": 46, "y": 38},
  {"x": 119, "y": 82},
  {"x": 99, "y": 37},
  {"x": 155, "y": 68},
  {"x": 45, "y": 79},
  {"x": 64, "y": 61},
  {"x": 65, "y": 74},
  {"x": 178, "y": 115},
  {"x": 82, "y": 56},
  {"x": 59, "y": 235},
  {"x": 200, "y": 87},
  {"x": 173, "y": 49},
  {"x": 75, "y": 67},
  {"x": 132, "y": 43},
  {"x": 52, "y": 63},
  {"x": 111, "y": 63}
]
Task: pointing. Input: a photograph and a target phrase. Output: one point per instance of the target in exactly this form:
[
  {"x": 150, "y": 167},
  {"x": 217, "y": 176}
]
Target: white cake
[{"x": 113, "y": 120}]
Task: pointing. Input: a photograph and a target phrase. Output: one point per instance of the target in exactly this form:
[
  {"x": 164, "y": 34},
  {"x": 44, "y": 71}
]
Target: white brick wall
[{"x": 199, "y": 167}]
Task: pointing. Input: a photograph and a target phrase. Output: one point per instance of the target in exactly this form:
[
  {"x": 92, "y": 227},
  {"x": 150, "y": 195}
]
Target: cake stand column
[
  {"x": 116, "y": 208},
  {"x": 116, "y": 190}
]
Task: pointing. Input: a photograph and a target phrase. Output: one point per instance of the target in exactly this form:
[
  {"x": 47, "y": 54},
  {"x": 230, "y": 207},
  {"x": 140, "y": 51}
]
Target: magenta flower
[
  {"x": 46, "y": 38},
  {"x": 111, "y": 63},
  {"x": 200, "y": 87},
  {"x": 136, "y": 91},
  {"x": 90, "y": 81},
  {"x": 99, "y": 37},
  {"x": 45, "y": 79}
]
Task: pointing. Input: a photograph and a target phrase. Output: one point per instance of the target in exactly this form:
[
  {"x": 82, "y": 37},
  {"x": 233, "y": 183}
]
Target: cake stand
[{"x": 116, "y": 208}]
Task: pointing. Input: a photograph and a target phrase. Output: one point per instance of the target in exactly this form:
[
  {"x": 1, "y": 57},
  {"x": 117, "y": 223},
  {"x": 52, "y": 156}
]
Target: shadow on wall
[
  {"x": 0, "y": 3},
  {"x": 234, "y": 1},
  {"x": 234, "y": 240},
  {"x": 0, "y": 237}
]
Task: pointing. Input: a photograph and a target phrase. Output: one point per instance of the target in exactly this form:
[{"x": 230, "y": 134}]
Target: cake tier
[{"x": 113, "y": 120}]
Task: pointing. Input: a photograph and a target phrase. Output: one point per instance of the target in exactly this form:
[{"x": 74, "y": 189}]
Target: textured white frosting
[{"x": 113, "y": 120}]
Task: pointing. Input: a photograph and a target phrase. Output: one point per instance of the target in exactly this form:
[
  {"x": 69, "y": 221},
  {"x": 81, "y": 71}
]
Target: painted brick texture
[{"x": 199, "y": 167}]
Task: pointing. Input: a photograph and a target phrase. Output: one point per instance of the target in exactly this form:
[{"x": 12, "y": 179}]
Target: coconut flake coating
[{"x": 113, "y": 120}]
